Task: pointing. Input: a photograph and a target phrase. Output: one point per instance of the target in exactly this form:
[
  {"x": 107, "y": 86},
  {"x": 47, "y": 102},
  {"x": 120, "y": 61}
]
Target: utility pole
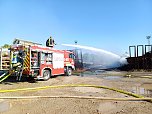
[
  {"x": 148, "y": 38},
  {"x": 76, "y": 55}
]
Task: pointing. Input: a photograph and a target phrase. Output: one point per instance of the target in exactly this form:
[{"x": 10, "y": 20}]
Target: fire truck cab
[{"x": 42, "y": 62}]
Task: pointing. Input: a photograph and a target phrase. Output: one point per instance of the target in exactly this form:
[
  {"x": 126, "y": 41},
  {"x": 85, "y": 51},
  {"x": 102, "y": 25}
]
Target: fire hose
[
  {"x": 79, "y": 97},
  {"x": 137, "y": 97},
  {"x": 4, "y": 77}
]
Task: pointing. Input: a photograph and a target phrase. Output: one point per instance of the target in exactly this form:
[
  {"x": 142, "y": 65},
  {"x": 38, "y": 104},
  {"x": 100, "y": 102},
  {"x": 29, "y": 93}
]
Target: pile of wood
[{"x": 4, "y": 59}]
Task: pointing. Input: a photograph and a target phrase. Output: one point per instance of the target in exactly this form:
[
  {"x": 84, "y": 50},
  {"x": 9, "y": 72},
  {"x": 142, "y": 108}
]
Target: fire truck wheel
[
  {"x": 46, "y": 75},
  {"x": 69, "y": 72}
]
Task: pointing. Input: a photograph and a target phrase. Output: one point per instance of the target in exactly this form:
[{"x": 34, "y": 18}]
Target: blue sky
[{"x": 111, "y": 25}]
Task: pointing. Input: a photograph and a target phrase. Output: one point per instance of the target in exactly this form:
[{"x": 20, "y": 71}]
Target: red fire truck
[{"x": 42, "y": 62}]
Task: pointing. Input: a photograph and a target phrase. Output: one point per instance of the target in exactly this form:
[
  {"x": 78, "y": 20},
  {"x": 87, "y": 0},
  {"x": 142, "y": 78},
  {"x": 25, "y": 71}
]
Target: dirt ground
[{"x": 132, "y": 83}]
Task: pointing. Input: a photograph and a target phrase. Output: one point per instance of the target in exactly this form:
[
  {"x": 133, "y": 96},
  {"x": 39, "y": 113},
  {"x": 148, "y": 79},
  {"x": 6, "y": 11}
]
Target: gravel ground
[{"x": 142, "y": 86}]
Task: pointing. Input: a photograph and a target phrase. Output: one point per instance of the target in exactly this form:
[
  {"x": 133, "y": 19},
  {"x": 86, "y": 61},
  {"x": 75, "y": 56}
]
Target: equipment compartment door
[
  {"x": 58, "y": 60},
  {"x": 58, "y": 63}
]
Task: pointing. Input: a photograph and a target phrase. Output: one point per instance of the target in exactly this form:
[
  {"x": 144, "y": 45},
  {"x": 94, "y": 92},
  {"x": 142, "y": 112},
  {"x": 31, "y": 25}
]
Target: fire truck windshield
[{"x": 71, "y": 55}]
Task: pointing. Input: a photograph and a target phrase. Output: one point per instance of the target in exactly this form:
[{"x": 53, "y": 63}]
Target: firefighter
[
  {"x": 14, "y": 60},
  {"x": 50, "y": 42},
  {"x": 21, "y": 55},
  {"x": 18, "y": 57},
  {"x": 17, "y": 61}
]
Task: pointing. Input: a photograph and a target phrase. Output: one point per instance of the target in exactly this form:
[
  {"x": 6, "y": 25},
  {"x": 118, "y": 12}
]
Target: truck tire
[
  {"x": 68, "y": 71},
  {"x": 46, "y": 75}
]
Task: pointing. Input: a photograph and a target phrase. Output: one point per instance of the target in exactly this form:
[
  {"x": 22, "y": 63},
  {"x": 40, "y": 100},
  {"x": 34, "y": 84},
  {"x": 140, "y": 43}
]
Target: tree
[{"x": 6, "y": 46}]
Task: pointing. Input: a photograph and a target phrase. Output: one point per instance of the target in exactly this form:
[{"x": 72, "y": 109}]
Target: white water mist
[{"x": 100, "y": 58}]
